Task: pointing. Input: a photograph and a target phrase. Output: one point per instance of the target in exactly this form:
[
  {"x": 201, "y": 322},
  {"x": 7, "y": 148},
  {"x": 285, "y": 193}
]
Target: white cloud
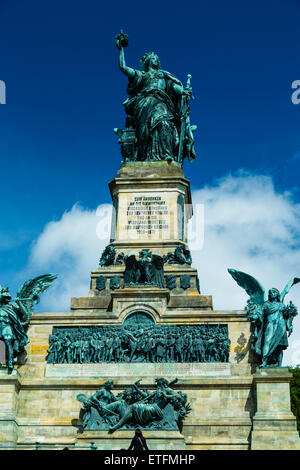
[
  {"x": 248, "y": 226},
  {"x": 70, "y": 247}
]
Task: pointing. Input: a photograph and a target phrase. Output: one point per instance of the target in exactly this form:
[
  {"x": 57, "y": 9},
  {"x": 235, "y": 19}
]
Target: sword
[
  {"x": 184, "y": 99},
  {"x": 105, "y": 409}
]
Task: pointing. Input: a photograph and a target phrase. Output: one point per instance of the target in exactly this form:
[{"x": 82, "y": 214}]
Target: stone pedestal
[
  {"x": 9, "y": 389},
  {"x": 274, "y": 425},
  {"x": 156, "y": 440},
  {"x": 152, "y": 205}
]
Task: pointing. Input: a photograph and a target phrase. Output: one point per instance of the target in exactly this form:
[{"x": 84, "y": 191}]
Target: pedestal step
[{"x": 156, "y": 440}]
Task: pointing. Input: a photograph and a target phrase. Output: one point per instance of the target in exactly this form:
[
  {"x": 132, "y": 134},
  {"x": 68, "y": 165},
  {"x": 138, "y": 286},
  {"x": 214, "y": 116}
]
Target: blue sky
[{"x": 65, "y": 93}]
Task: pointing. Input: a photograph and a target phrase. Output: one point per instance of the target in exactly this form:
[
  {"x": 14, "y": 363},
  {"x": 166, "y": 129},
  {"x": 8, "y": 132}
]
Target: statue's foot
[{"x": 263, "y": 365}]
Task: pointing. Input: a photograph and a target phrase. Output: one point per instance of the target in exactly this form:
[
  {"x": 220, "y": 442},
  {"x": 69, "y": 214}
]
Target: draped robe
[
  {"x": 155, "y": 110},
  {"x": 274, "y": 331}
]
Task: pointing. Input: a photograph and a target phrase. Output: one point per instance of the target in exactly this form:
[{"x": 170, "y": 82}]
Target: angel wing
[
  {"x": 28, "y": 294},
  {"x": 131, "y": 268},
  {"x": 288, "y": 287},
  {"x": 251, "y": 285}
]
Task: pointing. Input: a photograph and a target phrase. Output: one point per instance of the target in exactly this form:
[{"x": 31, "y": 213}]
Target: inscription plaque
[
  {"x": 147, "y": 215},
  {"x": 136, "y": 370}
]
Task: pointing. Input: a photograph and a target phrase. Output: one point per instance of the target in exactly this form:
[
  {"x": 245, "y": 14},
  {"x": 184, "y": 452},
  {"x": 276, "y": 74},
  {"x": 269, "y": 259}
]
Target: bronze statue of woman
[
  {"x": 157, "y": 109},
  {"x": 272, "y": 319},
  {"x": 275, "y": 338}
]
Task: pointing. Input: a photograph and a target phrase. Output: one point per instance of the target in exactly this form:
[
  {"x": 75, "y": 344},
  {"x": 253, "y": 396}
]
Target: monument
[{"x": 145, "y": 348}]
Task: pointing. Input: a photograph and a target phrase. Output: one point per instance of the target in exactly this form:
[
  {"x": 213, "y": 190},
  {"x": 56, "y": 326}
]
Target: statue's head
[
  {"x": 126, "y": 395},
  {"x": 5, "y": 296},
  {"x": 108, "y": 385},
  {"x": 274, "y": 294},
  {"x": 161, "y": 382},
  {"x": 150, "y": 59}
]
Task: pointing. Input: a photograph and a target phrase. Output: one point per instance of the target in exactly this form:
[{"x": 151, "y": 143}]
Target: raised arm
[{"x": 128, "y": 71}]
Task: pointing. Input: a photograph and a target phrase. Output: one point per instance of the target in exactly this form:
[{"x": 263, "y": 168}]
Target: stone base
[
  {"x": 274, "y": 425},
  {"x": 279, "y": 440},
  {"x": 156, "y": 440},
  {"x": 9, "y": 388},
  {"x": 8, "y": 434}
]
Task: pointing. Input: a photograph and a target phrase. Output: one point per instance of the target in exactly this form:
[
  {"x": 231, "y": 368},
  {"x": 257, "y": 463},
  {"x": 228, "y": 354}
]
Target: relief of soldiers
[
  {"x": 139, "y": 343},
  {"x": 171, "y": 348},
  {"x": 149, "y": 348},
  {"x": 179, "y": 343},
  {"x": 188, "y": 342},
  {"x": 53, "y": 351}
]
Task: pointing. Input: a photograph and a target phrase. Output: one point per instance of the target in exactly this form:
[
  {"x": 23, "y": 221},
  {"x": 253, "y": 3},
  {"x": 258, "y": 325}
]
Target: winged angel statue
[
  {"x": 272, "y": 319},
  {"x": 15, "y": 315}
]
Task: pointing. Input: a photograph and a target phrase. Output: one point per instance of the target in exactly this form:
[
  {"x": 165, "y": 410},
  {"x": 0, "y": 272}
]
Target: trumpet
[{"x": 35, "y": 298}]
